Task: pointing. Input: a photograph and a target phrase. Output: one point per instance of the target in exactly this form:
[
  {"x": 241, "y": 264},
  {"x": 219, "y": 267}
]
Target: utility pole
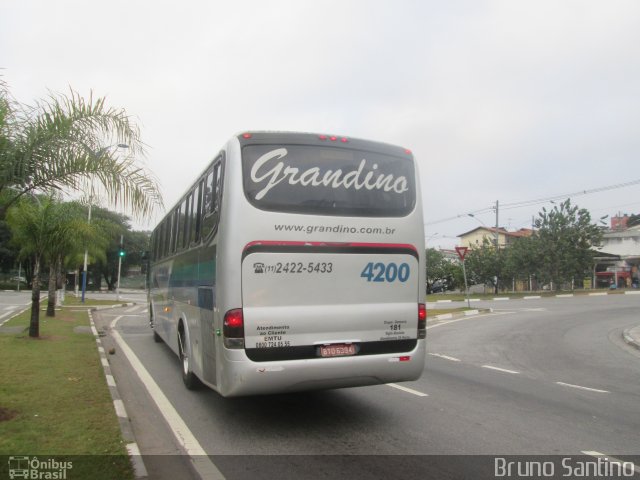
[
  {"x": 497, "y": 226},
  {"x": 497, "y": 240},
  {"x": 120, "y": 255}
]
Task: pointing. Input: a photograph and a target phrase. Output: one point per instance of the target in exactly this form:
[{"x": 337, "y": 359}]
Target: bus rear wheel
[{"x": 188, "y": 377}]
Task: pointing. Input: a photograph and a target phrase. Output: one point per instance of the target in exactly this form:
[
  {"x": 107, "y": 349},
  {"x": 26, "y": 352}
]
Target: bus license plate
[{"x": 337, "y": 350}]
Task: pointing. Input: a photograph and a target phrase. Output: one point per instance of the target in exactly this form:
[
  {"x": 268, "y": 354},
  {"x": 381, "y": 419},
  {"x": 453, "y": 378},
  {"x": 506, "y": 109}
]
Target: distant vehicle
[
  {"x": 438, "y": 287},
  {"x": 294, "y": 262}
]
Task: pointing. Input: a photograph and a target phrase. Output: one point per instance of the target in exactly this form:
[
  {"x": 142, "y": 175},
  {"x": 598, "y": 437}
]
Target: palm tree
[
  {"x": 60, "y": 145},
  {"x": 33, "y": 225},
  {"x": 68, "y": 238}
]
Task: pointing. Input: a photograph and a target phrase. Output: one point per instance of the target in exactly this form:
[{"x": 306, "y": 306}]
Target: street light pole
[
  {"x": 86, "y": 250},
  {"x": 119, "y": 267}
]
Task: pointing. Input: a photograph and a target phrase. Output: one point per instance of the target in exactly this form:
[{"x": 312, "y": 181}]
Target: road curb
[
  {"x": 117, "y": 305},
  {"x": 630, "y": 338},
  {"x": 140, "y": 470}
]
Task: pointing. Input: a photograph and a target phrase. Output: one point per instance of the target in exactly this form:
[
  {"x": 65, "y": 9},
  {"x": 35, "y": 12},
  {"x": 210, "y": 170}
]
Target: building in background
[
  {"x": 617, "y": 264},
  {"x": 475, "y": 238}
]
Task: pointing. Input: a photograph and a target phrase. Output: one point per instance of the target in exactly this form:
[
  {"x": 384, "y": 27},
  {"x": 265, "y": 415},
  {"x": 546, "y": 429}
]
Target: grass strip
[{"x": 55, "y": 399}]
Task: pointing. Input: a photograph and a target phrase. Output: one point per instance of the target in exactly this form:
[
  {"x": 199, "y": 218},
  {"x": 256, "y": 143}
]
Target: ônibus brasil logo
[{"x": 33, "y": 468}]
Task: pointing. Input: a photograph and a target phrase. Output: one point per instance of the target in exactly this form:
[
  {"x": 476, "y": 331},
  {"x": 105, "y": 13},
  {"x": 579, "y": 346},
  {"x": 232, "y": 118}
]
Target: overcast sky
[{"x": 499, "y": 100}]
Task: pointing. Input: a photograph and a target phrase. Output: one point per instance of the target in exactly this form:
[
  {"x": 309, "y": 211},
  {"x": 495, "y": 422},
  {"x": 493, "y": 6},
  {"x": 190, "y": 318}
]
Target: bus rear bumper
[{"x": 245, "y": 377}]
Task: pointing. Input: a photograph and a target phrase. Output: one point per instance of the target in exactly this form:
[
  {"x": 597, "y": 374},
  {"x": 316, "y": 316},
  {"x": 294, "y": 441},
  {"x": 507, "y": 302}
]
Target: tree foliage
[
  {"x": 35, "y": 225},
  {"x": 59, "y": 144},
  {"x": 560, "y": 250},
  {"x": 485, "y": 264},
  {"x": 565, "y": 238},
  {"x": 441, "y": 270}
]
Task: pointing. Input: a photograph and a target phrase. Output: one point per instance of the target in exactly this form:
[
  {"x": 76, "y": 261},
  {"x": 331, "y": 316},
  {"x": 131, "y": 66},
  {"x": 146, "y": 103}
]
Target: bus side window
[
  {"x": 188, "y": 214},
  {"x": 161, "y": 240},
  {"x": 181, "y": 213},
  {"x": 217, "y": 192},
  {"x": 153, "y": 246},
  {"x": 174, "y": 231},
  {"x": 210, "y": 204},
  {"x": 196, "y": 217},
  {"x": 167, "y": 237}
]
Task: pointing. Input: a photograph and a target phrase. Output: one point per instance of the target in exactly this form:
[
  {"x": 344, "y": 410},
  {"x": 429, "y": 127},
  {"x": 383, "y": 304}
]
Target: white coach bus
[{"x": 294, "y": 262}]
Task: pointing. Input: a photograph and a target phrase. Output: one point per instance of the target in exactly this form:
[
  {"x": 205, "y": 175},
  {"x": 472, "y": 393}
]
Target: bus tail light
[
  {"x": 233, "y": 329},
  {"x": 422, "y": 320}
]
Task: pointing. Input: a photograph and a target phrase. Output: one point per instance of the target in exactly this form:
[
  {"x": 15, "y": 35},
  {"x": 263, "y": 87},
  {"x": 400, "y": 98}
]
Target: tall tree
[
  {"x": 68, "y": 238},
  {"x": 521, "y": 258},
  {"x": 485, "y": 264},
  {"x": 565, "y": 239},
  {"x": 34, "y": 225},
  {"x": 59, "y": 144},
  {"x": 442, "y": 270}
]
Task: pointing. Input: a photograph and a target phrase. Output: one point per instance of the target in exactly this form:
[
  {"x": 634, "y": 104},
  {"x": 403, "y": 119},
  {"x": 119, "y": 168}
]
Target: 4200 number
[{"x": 386, "y": 272}]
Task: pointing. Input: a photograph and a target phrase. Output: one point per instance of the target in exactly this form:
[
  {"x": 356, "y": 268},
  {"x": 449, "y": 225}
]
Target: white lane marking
[
  {"x": 446, "y": 357},
  {"x": 565, "y": 295},
  {"x": 494, "y": 313},
  {"x": 146, "y": 310},
  {"x": 201, "y": 462},
  {"x": 8, "y": 308},
  {"x": 630, "y": 292},
  {"x": 498, "y": 369},
  {"x": 444, "y": 301},
  {"x": 105, "y": 362},
  {"x": 598, "y": 294},
  {"x": 132, "y": 309},
  {"x": 408, "y": 390},
  {"x": 582, "y": 388},
  {"x": 471, "y": 312},
  {"x": 6, "y": 314},
  {"x": 500, "y": 299},
  {"x": 611, "y": 459},
  {"x": 532, "y": 297}
]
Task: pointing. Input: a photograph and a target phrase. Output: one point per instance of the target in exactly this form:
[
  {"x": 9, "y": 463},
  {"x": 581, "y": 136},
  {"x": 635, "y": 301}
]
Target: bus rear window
[{"x": 328, "y": 181}]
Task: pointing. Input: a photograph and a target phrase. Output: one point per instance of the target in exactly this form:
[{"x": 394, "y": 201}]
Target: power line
[{"x": 538, "y": 201}]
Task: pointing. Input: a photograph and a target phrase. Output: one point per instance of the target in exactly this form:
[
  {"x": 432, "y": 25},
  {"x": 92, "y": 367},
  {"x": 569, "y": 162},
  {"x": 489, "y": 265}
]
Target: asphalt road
[
  {"x": 536, "y": 377},
  {"x": 12, "y": 303}
]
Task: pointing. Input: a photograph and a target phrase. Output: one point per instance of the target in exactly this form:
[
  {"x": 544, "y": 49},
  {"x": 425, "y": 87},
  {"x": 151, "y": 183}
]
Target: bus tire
[
  {"x": 157, "y": 338},
  {"x": 188, "y": 377}
]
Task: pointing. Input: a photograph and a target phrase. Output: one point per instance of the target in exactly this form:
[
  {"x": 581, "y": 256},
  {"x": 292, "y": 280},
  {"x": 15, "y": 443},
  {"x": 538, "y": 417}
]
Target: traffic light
[{"x": 121, "y": 252}]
